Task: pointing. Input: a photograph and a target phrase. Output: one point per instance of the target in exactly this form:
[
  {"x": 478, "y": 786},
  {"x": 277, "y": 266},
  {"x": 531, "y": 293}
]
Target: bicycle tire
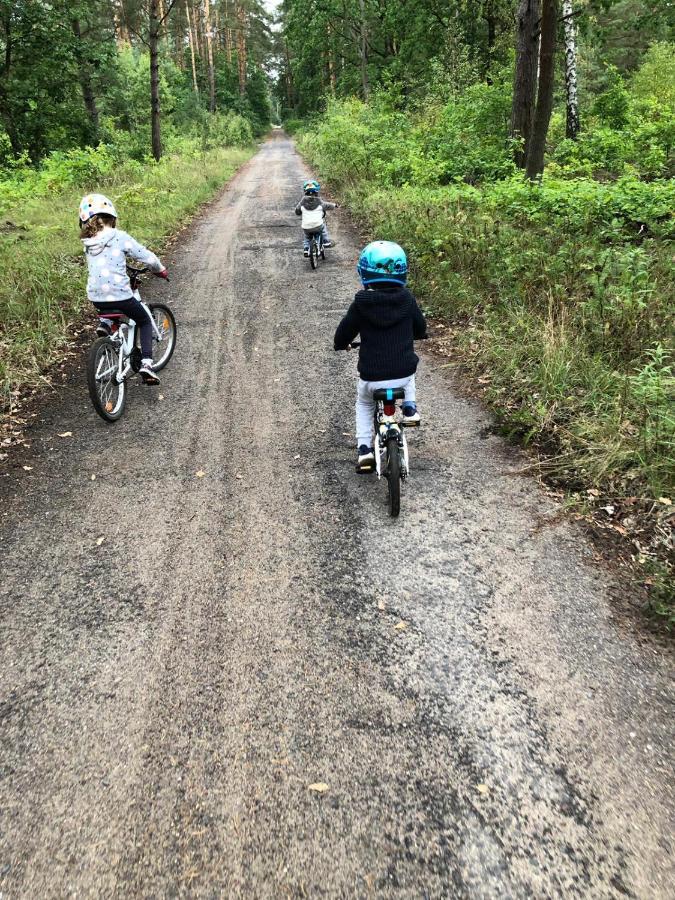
[
  {"x": 167, "y": 324},
  {"x": 394, "y": 477},
  {"x": 313, "y": 254},
  {"x": 322, "y": 251},
  {"x": 109, "y": 404}
]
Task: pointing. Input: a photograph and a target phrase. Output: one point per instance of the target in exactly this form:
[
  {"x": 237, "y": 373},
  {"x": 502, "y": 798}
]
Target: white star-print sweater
[{"x": 106, "y": 255}]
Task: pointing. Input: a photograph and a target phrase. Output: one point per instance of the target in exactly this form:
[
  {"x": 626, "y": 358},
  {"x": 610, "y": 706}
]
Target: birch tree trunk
[
  {"x": 209, "y": 52},
  {"x": 191, "y": 41},
  {"x": 542, "y": 114},
  {"x": 572, "y": 122},
  {"x": 525, "y": 76}
]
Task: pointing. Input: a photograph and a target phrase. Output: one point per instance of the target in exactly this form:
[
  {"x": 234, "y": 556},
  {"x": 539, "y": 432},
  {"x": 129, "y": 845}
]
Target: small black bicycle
[{"x": 317, "y": 249}]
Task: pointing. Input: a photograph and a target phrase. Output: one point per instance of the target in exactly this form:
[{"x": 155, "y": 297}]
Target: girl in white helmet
[{"x": 106, "y": 249}]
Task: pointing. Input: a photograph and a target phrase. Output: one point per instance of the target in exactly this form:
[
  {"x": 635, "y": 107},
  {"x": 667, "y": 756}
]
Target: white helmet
[{"x": 93, "y": 204}]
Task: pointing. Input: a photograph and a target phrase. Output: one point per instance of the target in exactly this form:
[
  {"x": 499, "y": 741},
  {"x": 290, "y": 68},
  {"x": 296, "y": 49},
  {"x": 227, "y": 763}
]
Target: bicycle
[
  {"x": 390, "y": 445},
  {"x": 115, "y": 358},
  {"x": 316, "y": 249}
]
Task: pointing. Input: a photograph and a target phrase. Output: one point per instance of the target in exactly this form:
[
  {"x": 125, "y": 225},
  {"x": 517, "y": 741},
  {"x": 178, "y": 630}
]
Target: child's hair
[{"x": 97, "y": 223}]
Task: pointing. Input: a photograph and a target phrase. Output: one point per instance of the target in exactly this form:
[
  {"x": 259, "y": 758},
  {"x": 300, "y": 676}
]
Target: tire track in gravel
[{"x": 166, "y": 699}]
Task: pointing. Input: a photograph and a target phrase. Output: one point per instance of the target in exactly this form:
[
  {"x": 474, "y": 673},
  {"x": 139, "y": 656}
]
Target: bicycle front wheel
[
  {"x": 164, "y": 345},
  {"x": 394, "y": 477},
  {"x": 107, "y": 395}
]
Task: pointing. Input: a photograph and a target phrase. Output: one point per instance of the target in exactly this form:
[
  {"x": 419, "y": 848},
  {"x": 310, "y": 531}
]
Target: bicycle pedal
[{"x": 411, "y": 424}]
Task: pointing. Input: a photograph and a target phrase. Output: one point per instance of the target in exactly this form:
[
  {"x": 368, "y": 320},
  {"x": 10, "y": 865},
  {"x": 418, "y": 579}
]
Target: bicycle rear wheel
[
  {"x": 322, "y": 251},
  {"x": 394, "y": 477},
  {"x": 163, "y": 346},
  {"x": 313, "y": 254},
  {"x": 107, "y": 395}
]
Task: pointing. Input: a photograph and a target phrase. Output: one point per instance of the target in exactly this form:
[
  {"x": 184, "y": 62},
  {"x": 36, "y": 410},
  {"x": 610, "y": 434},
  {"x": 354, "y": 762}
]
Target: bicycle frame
[
  {"x": 125, "y": 339},
  {"x": 386, "y": 425}
]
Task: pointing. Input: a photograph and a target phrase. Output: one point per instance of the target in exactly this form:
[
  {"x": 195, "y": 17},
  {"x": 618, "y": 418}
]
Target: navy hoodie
[{"x": 388, "y": 320}]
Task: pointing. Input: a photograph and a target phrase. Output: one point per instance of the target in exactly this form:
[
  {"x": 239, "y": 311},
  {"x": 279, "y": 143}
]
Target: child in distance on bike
[
  {"x": 106, "y": 249},
  {"x": 313, "y": 211},
  {"x": 387, "y": 317}
]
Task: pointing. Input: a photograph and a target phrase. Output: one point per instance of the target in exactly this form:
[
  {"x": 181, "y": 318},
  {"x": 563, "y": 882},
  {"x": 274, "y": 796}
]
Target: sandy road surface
[{"x": 167, "y": 698}]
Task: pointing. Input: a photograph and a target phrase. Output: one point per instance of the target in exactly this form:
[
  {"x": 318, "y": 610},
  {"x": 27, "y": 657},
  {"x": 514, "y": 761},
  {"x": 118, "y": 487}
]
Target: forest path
[{"x": 485, "y": 726}]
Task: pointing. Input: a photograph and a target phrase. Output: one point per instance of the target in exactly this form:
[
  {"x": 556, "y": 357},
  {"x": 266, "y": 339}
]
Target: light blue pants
[
  {"x": 365, "y": 405},
  {"x": 308, "y": 234}
]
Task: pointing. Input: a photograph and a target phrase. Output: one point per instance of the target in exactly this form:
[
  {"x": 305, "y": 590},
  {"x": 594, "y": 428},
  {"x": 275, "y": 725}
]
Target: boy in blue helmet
[
  {"x": 387, "y": 317},
  {"x": 313, "y": 211}
]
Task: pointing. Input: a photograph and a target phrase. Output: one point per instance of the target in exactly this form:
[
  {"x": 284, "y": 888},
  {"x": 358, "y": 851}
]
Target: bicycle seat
[
  {"x": 389, "y": 394},
  {"x": 121, "y": 317}
]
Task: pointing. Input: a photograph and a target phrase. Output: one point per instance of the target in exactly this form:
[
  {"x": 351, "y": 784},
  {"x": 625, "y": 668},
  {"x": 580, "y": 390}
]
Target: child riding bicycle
[
  {"x": 106, "y": 249},
  {"x": 387, "y": 317},
  {"x": 313, "y": 211}
]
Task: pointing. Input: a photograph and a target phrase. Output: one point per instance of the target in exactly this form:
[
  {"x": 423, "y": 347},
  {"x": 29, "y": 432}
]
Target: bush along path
[
  {"x": 42, "y": 272},
  {"x": 225, "y": 671},
  {"x": 557, "y": 296}
]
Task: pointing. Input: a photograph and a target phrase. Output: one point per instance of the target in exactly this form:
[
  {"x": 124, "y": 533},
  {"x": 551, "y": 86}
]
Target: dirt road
[{"x": 483, "y": 724}]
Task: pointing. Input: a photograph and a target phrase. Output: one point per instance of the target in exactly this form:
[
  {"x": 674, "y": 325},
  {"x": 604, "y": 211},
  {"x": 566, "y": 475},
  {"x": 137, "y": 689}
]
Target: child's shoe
[
  {"x": 410, "y": 415},
  {"x": 103, "y": 328},
  {"x": 366, "y": 460},
  {"x": 328, "y": 243},
  {"x": 146, "y": 372},
  {"x": 305, "y": 253}
]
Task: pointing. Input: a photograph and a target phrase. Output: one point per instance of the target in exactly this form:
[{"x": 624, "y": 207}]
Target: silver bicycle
[{"x": 115, "y": 358}]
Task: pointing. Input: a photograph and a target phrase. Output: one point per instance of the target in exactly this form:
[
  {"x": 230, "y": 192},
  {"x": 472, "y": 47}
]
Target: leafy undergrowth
[
  {"x": 42, "y": 272},
  {"x": 556, "y": 297}
]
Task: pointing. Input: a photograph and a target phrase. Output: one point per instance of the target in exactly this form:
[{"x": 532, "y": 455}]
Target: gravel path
[{"x": 484, "y": 725}]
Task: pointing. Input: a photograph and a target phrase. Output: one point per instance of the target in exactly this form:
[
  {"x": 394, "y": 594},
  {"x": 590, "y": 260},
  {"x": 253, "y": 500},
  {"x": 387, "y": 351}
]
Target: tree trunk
[
  {"x": 542, "y": 113},
  {"x": 153, "y": 45},
  {"x": 209, "y": 53},
  {"x": 241, "y": 48},
  {"x": 191, "y": 41},
  {"x": 364, "y": 51},
  {"x": 84, "y": 73},
  {"x": 572, "y": 123},
  {"x": 525, "y": 77}
]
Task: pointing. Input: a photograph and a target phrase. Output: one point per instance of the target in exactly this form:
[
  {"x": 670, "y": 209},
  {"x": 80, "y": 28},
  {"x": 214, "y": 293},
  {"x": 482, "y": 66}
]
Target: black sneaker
[
  {"x": 103, "y": 329},
  {"x": 366, "y": 460},
  {"x": 328, "y": 243}
]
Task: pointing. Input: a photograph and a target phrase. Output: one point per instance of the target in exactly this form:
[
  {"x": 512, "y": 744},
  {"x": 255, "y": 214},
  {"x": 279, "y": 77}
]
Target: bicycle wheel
[
  {"x": 107, "y": 395},
  {"x": 322, "y": 251},
  {"x": 163, "y": 346},
  {"x": 394, "y": 477},
  {"x": 313, "y": 254}
]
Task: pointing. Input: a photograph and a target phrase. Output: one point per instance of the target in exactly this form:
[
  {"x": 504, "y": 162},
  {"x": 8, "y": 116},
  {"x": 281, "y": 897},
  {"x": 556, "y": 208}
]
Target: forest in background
[{"x": 522, "y": 151}]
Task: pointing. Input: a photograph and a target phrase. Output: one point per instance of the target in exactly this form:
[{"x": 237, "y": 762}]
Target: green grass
[{"x": 42, "y": 272}]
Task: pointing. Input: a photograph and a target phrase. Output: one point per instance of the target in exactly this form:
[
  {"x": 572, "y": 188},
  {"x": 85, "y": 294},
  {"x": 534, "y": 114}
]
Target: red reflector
[{"x": 389, "y": 409}]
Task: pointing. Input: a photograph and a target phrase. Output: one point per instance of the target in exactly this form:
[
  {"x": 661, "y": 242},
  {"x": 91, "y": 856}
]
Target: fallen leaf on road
[
  {"x": 380, "y": 604},
  {"x": 99, "y": 541},
  {"x": 320, "y": 787},
  {"x": 401, "y": 625},
  {"x": 93, "y": 478},
  {"x": 482, "y": 788},
  {"x": 666, "y": 501},
  {"x": 66, "y": 434},
  {"x": 200, "y": 474},
  {"x": 27, "y": 468},
  {"x": 239, "y": 477},
  {"x": 161, "y": 396},
  {"x": 297, "y": 456}
]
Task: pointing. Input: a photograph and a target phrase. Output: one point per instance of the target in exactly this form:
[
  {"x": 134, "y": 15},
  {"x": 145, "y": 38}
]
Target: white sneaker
[
  {"x": 413, "y": 419},
  {"x": 366, "y": 460}
]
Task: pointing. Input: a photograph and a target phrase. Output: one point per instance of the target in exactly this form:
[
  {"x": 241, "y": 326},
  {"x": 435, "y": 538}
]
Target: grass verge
[
  {"x": 558, "y": 300},
  {"x": 42, "y": 271}
]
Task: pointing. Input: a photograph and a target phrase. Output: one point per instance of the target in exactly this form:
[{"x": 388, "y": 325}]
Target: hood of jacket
[
  {"x": 98, "y": 243},
  {"x": 384, "y": 308},
  {"x": 311, "y": 202}
]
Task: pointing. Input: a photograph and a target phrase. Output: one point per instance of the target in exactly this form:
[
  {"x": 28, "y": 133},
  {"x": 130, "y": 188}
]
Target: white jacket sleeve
[{"x": 137, "y": 251}]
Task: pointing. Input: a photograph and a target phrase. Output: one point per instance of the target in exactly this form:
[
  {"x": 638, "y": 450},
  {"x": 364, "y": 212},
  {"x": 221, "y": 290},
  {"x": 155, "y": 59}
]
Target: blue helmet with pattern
[
  {"x": 383, "y": 261},
  {"x": 311, "y": 187}
]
